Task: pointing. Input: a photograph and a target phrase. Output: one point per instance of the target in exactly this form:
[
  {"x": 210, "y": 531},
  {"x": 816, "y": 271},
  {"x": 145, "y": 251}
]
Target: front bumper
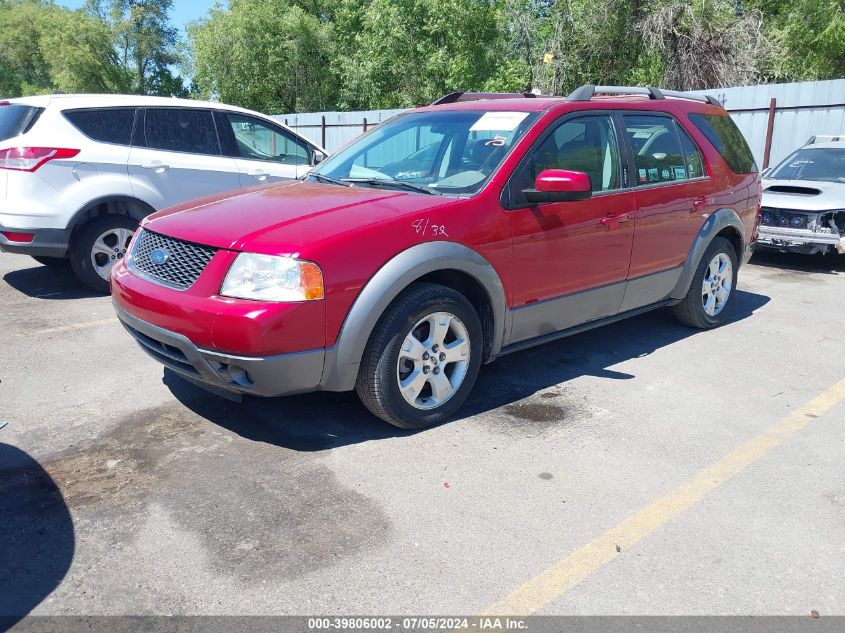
[
  {"x": 47, "y": 242},
  {"x": 284, "y": 374},
  {"x": 786, "y": 238}
]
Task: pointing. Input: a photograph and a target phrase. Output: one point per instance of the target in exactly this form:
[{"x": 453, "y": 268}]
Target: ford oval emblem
[{"x": 158, "y": 256}]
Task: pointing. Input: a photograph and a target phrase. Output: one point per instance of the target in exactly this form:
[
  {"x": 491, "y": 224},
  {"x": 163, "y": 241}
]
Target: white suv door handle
[
  {"x": 157, "y": 165},
  {"x": 260, "y": 174}
]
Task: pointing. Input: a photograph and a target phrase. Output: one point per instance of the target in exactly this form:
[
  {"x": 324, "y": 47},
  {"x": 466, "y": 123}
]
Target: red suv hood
[{"x": 282, "y": 218}]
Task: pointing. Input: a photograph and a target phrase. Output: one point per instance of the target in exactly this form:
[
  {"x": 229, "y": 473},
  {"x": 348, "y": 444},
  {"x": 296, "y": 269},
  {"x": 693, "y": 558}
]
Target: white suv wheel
[{"x": 108, "y": 249}]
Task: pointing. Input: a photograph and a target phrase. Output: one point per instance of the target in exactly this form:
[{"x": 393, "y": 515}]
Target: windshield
[
  {"x": 452, "y": 152},
  {"x": 15, "y": 119},
  {"x": 818, "y": 163}
]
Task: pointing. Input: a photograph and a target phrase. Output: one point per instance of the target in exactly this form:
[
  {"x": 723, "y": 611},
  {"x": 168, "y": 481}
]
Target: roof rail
[
  {"x": 454, "y": 97},
  {"x": 588, "y": 91},
  {"x": 688, "y": 95}
]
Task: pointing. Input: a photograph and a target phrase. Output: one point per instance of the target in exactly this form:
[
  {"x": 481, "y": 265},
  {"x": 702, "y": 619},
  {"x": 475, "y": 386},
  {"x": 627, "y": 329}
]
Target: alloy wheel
[
  {"x": 433, "y": 360},
  {"x": 717, "y": 284},
  {"x": 108, "y": 249}
]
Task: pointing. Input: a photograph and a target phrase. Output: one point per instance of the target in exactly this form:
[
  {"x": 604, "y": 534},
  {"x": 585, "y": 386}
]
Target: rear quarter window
[
  {"x": 724, "y": 135},
  {"x": 107, "y": 125},
  {"x": 16, "y": 119}
]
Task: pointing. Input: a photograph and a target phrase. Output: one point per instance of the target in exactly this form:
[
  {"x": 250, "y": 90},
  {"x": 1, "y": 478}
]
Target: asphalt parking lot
[{"x": 642, "y": 468}]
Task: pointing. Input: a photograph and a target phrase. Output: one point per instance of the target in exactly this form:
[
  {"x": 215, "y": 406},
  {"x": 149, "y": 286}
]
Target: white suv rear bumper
[{"x": 44, "y": 242}]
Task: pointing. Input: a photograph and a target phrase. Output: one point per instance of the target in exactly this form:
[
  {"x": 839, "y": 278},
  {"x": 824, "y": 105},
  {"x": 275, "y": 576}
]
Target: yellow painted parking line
[
  {"x": 568, "y": 572},
  {"x": 78, "y": 326}
]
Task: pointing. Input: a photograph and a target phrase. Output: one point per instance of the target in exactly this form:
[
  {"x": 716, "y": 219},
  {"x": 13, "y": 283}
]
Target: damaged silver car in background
[{"x": 803, "y": 207}]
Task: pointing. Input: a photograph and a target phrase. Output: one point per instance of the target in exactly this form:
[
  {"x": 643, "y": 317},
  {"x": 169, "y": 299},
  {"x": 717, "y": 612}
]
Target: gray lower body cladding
[
  {"x": 46, "y": 242},
  {"x": 284, "y": 374}
]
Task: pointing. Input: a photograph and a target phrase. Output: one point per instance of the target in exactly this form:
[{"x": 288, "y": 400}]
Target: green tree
[
  {"x": 146, "y": 44},
  {"x": 705, "y": 43},
  {"x": 396, "y": 53},
  {"x": 809, "y": 39},
  {"x": 268, "y": 55},
  {"x": 46, "y": 48},
  {"x": 587, "y": 41}
]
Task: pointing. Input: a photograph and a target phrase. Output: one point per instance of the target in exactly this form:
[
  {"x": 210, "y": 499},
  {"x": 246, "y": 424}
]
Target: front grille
[{"x": 177, "y": 263}]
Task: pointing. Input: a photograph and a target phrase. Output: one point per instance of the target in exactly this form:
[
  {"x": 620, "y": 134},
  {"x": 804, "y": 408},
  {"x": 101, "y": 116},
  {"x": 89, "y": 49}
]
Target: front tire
[
  {"x": 712, "y": 289},
  {"x": 98, "y": 246},
  {"x": 422, "y": 359}
]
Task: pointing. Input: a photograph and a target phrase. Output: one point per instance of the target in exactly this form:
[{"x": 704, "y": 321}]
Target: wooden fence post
[{"x": 767, "y": 151}]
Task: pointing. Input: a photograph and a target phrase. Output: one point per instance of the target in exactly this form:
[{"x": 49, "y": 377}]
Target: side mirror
[
  {"x": 317, "y": 157},
  {"x": 559, "y": 185}
]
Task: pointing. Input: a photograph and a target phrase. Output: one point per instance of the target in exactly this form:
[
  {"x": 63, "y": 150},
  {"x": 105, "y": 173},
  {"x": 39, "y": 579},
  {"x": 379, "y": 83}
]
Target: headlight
[{"x": 271, "y": 278}]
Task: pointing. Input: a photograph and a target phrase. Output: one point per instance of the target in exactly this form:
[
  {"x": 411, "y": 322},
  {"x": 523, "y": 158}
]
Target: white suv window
[
  {"x": 181, "y": 130},
  {"x": 256, "y": 140},
  {"x": 107, "y": 125},
  {"x": 15, "y": 119}
]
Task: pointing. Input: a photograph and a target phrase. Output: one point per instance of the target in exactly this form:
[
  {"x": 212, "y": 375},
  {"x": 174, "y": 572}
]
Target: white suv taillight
[{"x": 31, "y": 158}]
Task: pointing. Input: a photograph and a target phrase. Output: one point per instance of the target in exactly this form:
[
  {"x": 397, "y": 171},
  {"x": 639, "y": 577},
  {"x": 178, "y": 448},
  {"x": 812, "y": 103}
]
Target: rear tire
[
  {"x": 712, "y": 289},
  {"x": 98, "y": 246},
  {"x": 422, "y": 359},
  {"x": 52, "y": 262}
]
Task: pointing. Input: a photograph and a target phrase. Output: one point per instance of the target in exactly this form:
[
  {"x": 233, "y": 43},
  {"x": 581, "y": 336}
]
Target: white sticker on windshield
[{"x": 498, "y": 121}]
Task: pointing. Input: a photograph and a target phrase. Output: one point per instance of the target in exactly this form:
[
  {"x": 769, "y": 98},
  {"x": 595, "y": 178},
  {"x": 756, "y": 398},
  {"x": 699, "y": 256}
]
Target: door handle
[
  {"x": 156, "y": 165},
  {"x": 613, "y": 220},
  {"x": 698, "y": 202},
  {"x": 259, "y": 174}
]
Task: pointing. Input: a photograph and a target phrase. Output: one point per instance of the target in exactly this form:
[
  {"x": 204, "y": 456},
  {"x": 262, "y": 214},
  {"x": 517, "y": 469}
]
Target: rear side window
[
  {"x": 181, "y": 130},
  {"x": 15, "y": 119},
  {"x": 658, "y": 156},
  {"x": 695, "y": 163},
  {"x": 107, "y": 125},
  {"x": 723, "y": 133}
]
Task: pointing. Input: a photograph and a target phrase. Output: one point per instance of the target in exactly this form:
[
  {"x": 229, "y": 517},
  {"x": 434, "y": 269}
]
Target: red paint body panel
[
  {"x": 351, "y": 232},
  {"x": 563, "y": 247}
]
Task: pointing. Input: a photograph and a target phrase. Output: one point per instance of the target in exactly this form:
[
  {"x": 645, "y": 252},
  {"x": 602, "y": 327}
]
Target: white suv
[{"x": 78, "y": 172}]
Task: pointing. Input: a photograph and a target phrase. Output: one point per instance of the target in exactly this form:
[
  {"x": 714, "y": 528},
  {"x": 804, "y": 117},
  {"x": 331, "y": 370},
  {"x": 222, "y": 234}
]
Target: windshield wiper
[
  {"x": 329, "y": 179},
  {"x": 393, "y": 183}
]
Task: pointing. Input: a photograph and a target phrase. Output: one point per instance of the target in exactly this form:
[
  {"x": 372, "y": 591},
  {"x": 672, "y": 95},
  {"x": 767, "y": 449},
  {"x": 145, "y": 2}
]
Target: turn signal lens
[{"x": 312, "y": 280}]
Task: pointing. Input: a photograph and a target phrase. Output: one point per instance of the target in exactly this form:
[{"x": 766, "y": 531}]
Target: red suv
[{"x": 444, "y": 238}]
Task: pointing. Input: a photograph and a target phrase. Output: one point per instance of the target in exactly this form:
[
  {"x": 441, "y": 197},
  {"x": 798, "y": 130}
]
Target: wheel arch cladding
[
  {"x": 723, "y": 223},
  {"x": 448, "y": 263}
]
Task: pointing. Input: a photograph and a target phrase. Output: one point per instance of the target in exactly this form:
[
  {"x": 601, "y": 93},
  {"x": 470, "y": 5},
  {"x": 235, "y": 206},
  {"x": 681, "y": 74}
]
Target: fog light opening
[{"x": 239, "y": 376}]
